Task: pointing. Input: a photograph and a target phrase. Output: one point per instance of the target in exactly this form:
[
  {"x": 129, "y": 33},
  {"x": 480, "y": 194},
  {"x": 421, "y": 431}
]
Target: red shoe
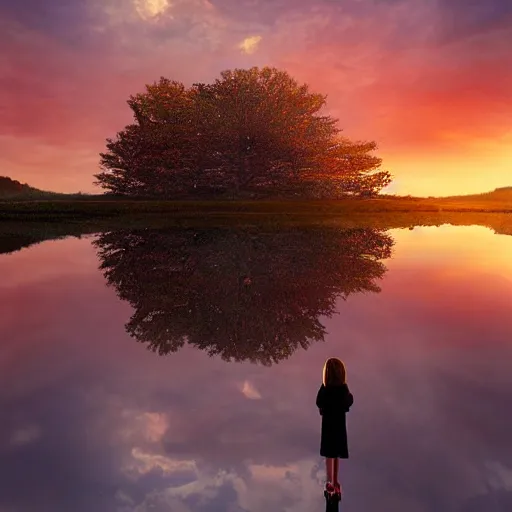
[
  {"x": 329, "y": 489},
  {"x": 337, "y": 489}
]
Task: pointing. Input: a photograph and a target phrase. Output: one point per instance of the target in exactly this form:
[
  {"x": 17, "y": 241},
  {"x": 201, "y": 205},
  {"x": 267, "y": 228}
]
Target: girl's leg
[
  {"x": 329, "y": 469},
  {"x": 337, "y": 485}
]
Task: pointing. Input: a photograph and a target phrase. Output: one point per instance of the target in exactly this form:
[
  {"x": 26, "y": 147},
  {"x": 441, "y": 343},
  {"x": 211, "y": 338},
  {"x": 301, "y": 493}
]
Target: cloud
[
  {"x": 144, "y": 462},
  {"x": 249, "y": 391},
  {"x": 250, "y": 44},
  {"x": 150, "y": 27},
  {"x": 499, "y": 476},
  {"x": 151, "y": 426},
  {"x": 149, "y": 9},
  {"x": 281, "y": 488},
  {"x": 123, "y": 498}
]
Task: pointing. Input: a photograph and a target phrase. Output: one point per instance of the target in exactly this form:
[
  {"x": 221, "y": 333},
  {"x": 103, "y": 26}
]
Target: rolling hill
[{"x": 13, "y": 189}]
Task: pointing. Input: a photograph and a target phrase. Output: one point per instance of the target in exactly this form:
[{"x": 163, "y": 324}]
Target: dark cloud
[
  {"x": 68, "y": 21},
  {"x": 466, "y": 18}
]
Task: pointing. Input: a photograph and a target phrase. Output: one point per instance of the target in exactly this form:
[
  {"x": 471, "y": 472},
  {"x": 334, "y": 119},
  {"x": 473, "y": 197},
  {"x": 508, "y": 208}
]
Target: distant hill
[
  {"x": 502, "y": 193},
  {"x": 10, "y": 187},
  {"x": 14, "y": 190},
  {"x": 498, "y": 194}
]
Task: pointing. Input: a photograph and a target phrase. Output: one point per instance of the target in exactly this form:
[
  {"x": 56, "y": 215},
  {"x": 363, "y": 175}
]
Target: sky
[
  {"x": 91, "y": 420},
  {"x": 429, "y": 80}
]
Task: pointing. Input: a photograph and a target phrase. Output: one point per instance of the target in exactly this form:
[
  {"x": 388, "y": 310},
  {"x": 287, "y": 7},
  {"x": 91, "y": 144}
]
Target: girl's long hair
[{"x": 334, "y": 372}]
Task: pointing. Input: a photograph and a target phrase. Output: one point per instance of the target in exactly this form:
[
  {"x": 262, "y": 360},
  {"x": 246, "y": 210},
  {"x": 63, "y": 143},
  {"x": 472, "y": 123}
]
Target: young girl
[{"x": 334, "y": 400}]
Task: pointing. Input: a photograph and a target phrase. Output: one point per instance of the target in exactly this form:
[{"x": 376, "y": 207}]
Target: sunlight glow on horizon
[{"x": 441, "y": 175}]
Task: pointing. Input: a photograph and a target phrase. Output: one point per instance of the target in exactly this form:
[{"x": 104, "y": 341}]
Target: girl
[{"x": 333, "y": 401}]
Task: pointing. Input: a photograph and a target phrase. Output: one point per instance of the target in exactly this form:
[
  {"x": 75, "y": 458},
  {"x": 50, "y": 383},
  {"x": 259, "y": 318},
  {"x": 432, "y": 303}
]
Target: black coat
[{"x": 334, "y": 402}]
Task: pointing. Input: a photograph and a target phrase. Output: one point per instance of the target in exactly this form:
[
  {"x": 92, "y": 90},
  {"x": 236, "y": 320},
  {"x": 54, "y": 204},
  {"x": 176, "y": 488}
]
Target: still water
[{"x": 178, "y": 370}]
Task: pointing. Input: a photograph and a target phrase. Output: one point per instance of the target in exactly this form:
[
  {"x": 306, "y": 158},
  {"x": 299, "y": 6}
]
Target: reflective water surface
[{"x": 178, "y": 370}]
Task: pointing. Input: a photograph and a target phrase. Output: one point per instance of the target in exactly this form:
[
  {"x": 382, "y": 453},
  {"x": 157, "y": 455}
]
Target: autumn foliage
[{"x": 252, "y": 133}]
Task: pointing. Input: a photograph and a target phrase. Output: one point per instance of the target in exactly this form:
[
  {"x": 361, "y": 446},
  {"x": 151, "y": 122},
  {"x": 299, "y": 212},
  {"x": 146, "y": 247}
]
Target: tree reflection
[{"x": 241, "y": 294}]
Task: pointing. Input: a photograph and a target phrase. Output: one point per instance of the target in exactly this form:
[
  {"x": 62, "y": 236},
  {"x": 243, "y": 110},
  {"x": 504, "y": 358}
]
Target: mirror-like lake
[{"x": 177, "y": 370}]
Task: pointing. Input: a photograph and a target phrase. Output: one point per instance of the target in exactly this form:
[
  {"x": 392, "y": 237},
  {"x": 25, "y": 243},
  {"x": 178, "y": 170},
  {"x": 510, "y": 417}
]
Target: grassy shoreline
[
  {"x": 15, "y": 235},
  {"x": 65, "y": 209},
  {"x": 24, "y": 223}
]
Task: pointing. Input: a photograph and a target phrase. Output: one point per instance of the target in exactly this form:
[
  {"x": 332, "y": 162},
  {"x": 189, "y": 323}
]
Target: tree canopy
[
  {"x": 241, "y": 294},
  {"x": 251, "y": 133}
]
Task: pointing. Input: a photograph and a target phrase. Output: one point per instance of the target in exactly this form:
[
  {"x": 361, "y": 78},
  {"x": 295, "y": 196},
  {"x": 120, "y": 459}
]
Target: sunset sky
[{"x": 429, "y": 80}]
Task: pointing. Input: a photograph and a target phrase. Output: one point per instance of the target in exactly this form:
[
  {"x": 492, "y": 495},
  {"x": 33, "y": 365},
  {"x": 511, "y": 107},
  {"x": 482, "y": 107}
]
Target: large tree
[{"x": 253, "y": 131}]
